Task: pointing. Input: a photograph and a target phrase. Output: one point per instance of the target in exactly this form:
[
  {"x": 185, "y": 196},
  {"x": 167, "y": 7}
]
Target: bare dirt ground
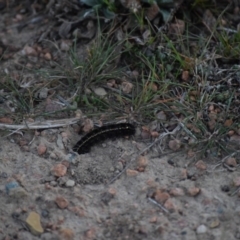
[{"x": 158, "y": 197}]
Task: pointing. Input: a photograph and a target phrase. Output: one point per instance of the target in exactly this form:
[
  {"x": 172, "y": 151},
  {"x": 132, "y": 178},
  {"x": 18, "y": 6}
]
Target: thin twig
[
  {"x": 40, "y": 125},
  {"x": 158, "y": 204}
]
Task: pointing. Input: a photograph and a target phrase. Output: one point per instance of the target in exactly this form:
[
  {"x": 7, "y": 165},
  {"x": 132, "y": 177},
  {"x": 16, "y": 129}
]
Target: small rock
[
  {"x": 11, "y": 185},
  {"x": 142, "y": 162},
  {"x": 174, "y": 144},
  {"x": 29, "y": 51},
  {"x": 231, "y": 162},
  {"x": 235, "y": 139},
  {"x": 170, "y": 205},
  {"x": 214, "y": 223},
  {"x": 59, "y": 170},
  {"x": 154, "y": 219},
  {"x": 112, "y": 191},
  {"x": 119, "y": 166},
  {"x": 185, "y": 76},
  {"x": 236, "y": 182},
  {"x": 100, "y": 92},
  {"x": 88, "y": 125},
  {"x": 145, "y": 133},
  {"x": 65, "y": 45},
  {"x": 67, "y": 233},
  {"x": 90, "y": 233},
  {"x": 18, "y": 193},
  {"x": 183, "y": 174},
  {"x": 194, "y": 191},
  {"x": 48, "y": 56},
  {"x": 78, "y": 211},
  {"x": 126, "y": 87},
  {"x": 161, "y": 116},
  {"x": 53, "y": 155},
  {"x": 201, "y": 229},
  {"x": 201, "y": 165},
  {"x": 43, "y": 93},
  {"x": 154, "y": 134},
  {"x": 176, "y": 192},
  {"x": 60, "y": 142},
  {"x": 34, "y": 224},
  {"x": 53, "y": 183},
  {"x": 44, "y": 213},
  {"x": 62, "y": 180},
  {"x": 61, "y": 202},
  {"x": 70, "y": 183},
  {"x": 131, "y": 173},
  {"x": 161, "y": 196},
  {"x": 41, "y": 149}
]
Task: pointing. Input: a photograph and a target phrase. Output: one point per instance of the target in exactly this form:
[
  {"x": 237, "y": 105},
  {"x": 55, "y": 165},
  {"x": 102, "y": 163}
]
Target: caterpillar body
[{"x": 100, "y": 134}]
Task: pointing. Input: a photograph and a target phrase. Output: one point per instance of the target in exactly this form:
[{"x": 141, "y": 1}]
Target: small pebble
[
  {"x": 53, "y": 183},
  {"x": 201, "y": 229},
  {"x": 170, "y": 205},
  {"x": 194, "y": 191},
  {"x": 70, "y": 183},
  {"x": 176, "y": 192},
  {"x": 59, "y": 170},
  {"x": 11, "y": 185},
  {"x": 236, "y": 182},
  {"x": 214, "y": 223},
  {"x": 231, "y": 162},
  {"x": 142, "y": 161},
  {"x": 131, "y": 173},
  {"x": 48, "y": 56},
  {"x": 18, "y": 193},
  {"x": 201, "y": 165},
  {"x": 100, "y": 91},
  {"x": 161, "y": 196},
  {"x": 67, "y": 233},
  {"x": 61, "y": 202},
  {"x": 41, "y": 149},
  {"x": 91, "y": 233},
  {"x": 34, "y": 224},
  {"x": 45, "y": 213},
  {"x": 62, "y": 180}
]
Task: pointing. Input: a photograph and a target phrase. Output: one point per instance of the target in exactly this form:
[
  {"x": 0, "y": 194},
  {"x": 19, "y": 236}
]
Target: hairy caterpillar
[{"x": 102, "y": 133}]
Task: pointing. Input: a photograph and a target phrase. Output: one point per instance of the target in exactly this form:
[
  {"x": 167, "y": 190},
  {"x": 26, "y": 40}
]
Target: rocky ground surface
[{"x": 48, "y": 193}]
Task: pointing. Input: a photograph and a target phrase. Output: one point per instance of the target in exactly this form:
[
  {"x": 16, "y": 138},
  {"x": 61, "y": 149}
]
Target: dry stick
[
  {"x": 161, "y": 136},
  {"x": 40, "y": 125},
  {"x": 223, "y": 160},
  {"x": 158, "y": 204}
]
